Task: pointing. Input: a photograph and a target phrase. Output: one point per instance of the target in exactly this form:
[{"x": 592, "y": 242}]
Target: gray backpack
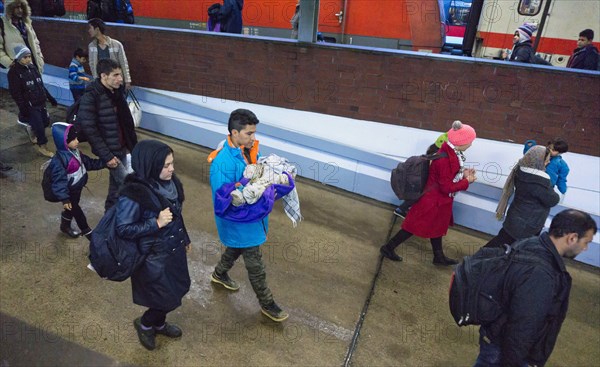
[{"x": 409, "y": 177}]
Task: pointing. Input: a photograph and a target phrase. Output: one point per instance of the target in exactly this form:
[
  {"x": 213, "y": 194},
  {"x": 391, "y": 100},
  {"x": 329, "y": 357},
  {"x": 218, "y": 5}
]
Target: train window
[{"x": 530, "y": 7}]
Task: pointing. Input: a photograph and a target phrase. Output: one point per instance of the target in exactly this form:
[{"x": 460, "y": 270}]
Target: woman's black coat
[{"x": 163, "y": 278}]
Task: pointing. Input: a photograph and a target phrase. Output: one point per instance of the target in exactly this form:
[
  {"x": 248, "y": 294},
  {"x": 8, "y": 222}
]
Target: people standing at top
[
  {"x": 523, "y": 47},
  {"x": 78, "y": 78},
  {"x": 231, "y": 16},
  {"x": 431, "y": 216},
  {"x": 104, "y": 47},
  {"x": 241, "y": 238},
  {"x": 106, "y": 120},
  {"x": 19, "y": 31},
  {"x": 150, "y": 212},
  {"x": 27, "y": 89},
  {"x": 585, "y": 56},
  {"x": 533, "y": 198}
]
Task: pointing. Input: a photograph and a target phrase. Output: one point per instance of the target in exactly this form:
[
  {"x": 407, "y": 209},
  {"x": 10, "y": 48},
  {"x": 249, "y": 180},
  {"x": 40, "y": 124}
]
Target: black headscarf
[{"x": 148, "y": 158}]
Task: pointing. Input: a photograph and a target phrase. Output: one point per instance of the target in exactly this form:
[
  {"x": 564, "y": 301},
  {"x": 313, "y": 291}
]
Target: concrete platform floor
[{"x": 55, "y": 312}]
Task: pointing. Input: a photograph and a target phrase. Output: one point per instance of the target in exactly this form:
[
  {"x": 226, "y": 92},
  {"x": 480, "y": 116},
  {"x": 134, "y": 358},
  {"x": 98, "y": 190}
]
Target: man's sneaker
[
  {"x": 274, "y": 312},
  {"x": 170, "y": 330},
  {"x": 147, "y": 337},
  {"x": 400, "y": 213},
  {"x": 31, "y": 134},
  {"x": 224, "y": 280},
  {"x": 43, "y": 149}
]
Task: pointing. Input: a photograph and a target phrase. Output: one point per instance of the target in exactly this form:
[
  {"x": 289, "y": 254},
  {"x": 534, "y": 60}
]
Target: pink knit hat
[{"x": 461, "y": 134}]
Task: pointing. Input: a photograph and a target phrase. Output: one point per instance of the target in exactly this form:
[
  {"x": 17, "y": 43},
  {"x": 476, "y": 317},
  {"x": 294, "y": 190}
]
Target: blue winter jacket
[
  {"x": 228, "y": 167},
  {"x": 558, "y": 170},
  {"x": 69, "y": 166}
]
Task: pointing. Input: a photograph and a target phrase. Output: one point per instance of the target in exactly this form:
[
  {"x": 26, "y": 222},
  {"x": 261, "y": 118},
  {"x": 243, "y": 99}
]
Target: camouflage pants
[{"x": 254, "y": 265}]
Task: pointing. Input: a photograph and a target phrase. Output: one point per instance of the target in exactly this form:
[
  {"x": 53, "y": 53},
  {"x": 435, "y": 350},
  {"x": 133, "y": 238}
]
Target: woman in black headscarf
[{"x": 149, "y": 210}]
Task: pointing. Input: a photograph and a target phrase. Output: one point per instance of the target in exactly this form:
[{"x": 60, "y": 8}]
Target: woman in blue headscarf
[{"x": 150, "y": 211}]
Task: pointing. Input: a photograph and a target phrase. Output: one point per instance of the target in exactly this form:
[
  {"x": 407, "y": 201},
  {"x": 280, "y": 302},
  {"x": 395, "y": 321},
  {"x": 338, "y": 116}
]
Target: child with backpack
[
  {"x": 69, "y": 175},
  {"x": 402, "y": 210},
  {"x": 77, "y": 76},
  {"x": 431, "y": 216}
]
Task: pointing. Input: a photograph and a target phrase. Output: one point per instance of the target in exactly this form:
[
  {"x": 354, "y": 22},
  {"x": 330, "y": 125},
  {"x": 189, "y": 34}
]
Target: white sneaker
[{"x": 31, "y": 134}]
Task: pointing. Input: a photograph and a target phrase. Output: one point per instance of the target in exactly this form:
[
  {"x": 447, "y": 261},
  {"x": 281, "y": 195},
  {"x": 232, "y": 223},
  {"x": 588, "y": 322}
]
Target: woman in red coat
[{"x": 431, "y": 216}]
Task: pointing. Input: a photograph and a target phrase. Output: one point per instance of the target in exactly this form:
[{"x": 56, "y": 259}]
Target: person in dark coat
[
  {"x": 523, "y": 47},
  {"x": 533, "y": 198},
  {"x": 585, "y": 56},
  {"x": 106, "y": 120},
  {"x": 231, "y": 16},
  {"x": 431, "y": 216},
  {"x": 537, "y": 295},
  {"x": 150, "y": 211},
  {"x": 69, "y": 175},
  {"x": 26, "y": 87}
]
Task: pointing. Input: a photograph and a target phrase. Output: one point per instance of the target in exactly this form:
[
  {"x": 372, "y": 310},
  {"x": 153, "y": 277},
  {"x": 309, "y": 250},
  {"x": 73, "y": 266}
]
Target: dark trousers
[
  {"x": 77, "y": 93},
  {"x": 38, "y": 120},
  {"x": 115, "y": 180},
  {"x": 501, "y": 238},
  {"x": 403, "y": 235},
  {"x": 154, "y": 317},
  {"x": 490, "y": 354},
  {"x": 254, "y": 265},
  {"x": 76, "y": 212}
]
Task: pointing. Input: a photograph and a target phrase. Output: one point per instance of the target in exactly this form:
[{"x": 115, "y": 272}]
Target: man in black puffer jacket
[
  {"x": 107, "y": 122},
  {"x": 537, "y": 295}
]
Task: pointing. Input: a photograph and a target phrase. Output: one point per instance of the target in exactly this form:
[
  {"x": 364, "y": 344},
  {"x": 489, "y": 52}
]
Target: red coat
[{"x": 431, "y": 216}]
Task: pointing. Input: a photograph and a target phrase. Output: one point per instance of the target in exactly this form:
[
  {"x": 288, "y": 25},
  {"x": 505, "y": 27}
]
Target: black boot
[
  {"x": 147, "y": 337},
  {"x": 65, "y": 227},
  {"x": 438, "y": 254},
  {"x": 389, "y": 253}
]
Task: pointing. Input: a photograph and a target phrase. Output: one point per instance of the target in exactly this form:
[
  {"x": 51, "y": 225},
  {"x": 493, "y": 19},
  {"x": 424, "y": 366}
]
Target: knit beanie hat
[
  {"x": 72, "y": 133},
  {"x": 461, "y": 134},
  {"x": 20, "y": 51},
  {"x": 526, "y": 31}
]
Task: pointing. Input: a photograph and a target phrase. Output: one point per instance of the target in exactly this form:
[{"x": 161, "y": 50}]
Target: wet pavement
[{"x": 54, "y": 311}]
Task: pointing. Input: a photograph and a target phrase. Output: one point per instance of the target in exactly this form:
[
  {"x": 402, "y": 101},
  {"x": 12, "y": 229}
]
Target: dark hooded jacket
[
  {"x": 231, "y": 16},
  {"x": 163, "y": 278},
  {"x": 106, "y": 121},
  {"x": 537, "y": 301},
  {"x": 69, "y": 166},
  {"x": 522, "y": 52},
  {"x": 531, "y": 205},
  {"x": 584, "y": 58},
  {"x": 26, "y": 87}
]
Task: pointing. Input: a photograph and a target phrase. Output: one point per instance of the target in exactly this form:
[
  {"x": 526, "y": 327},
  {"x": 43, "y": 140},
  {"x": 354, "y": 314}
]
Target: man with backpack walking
[
  {"x": 107, "y": 123},
  {"x": 537, "y": 293}
]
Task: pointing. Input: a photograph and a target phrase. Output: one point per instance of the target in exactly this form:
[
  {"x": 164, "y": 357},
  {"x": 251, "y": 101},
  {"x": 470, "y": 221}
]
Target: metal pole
[{"x": 309, "y": 19}]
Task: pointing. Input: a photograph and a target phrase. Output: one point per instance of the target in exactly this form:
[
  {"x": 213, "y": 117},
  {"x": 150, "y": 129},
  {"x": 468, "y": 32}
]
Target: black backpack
[
  {"x": 409, "y": 177},
  {"x": 113, "y": 257},
  {"x": 47, "y": 181},
  {"x": 477, "y": 292}
]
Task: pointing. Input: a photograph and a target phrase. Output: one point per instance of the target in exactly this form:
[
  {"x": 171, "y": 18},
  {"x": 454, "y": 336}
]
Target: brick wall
[{"x": 503, "y": 102}]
